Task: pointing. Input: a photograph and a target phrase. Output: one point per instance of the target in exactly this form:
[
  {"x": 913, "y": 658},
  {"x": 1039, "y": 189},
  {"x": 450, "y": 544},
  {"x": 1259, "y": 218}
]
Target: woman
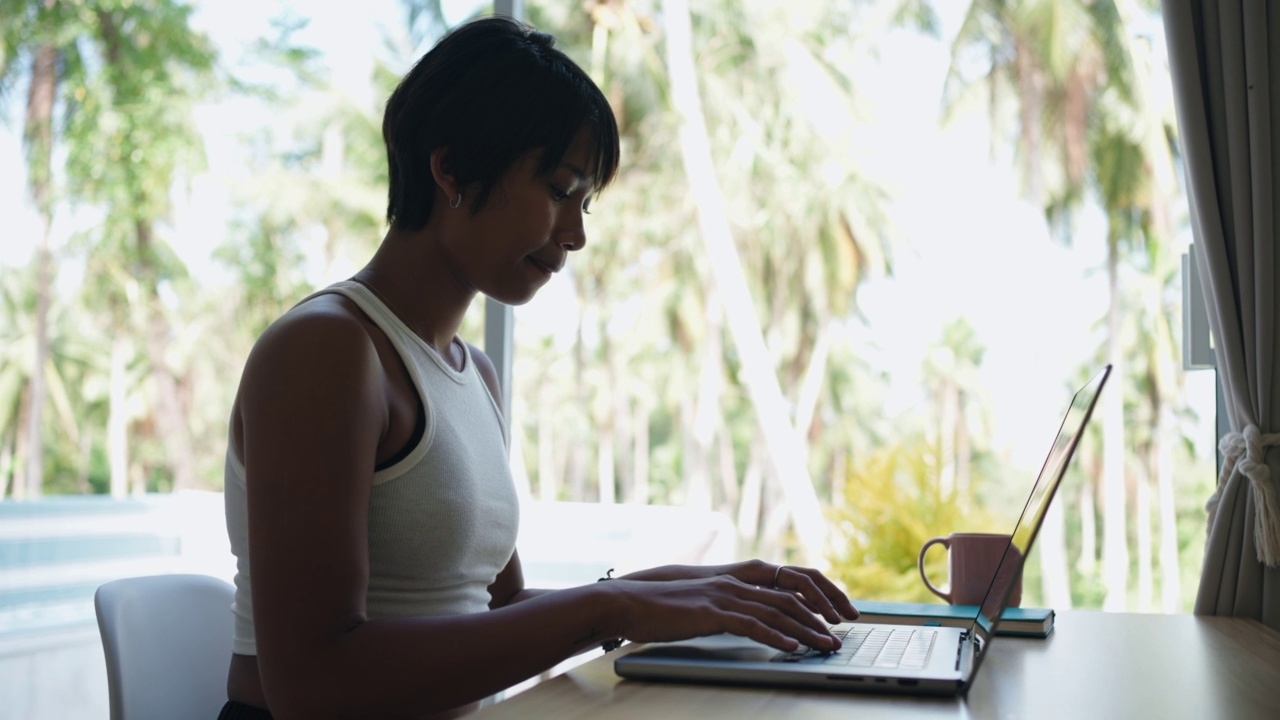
[{"x": 369, "y": 502}]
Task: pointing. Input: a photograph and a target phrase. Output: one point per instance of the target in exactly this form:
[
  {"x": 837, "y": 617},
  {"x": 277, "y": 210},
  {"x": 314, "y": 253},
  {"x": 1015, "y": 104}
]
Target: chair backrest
[{"x": 167, "y": 640}]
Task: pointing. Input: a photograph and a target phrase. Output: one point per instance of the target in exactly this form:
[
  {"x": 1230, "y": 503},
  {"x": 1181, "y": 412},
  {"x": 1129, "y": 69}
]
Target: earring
[{"x": 455, "y": 203}]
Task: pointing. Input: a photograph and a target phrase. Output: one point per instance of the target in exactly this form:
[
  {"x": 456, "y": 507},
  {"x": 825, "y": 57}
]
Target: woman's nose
[{"x": 572, "y": 239}]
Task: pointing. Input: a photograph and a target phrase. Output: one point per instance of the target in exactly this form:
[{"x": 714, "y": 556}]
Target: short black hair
[{"x": 492, "y": 91}]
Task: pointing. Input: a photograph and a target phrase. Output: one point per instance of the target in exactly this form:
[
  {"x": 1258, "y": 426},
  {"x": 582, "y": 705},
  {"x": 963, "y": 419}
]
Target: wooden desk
[{"x": 1094, "y": 665}]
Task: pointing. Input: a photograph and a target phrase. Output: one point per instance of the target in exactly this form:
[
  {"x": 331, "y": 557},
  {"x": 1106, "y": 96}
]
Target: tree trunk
[
  {"x": 706, "y": 413},
  {"x": 604, "y": 467},
  {"x": 137, "y": 480},
  {"x": 546, "y": 448},
  {"x": 1115, "y": 550},
  {"x": 118, "y": 418},
  {"x": 624, "y": 433},
  {"x": 170, "y": 413},
  {"x": 815, "y": 374},
  {"x": 37, "y": 387},
  {"x": 949, "y": 418},
  {"x": 7, "y": 475},
  {"x": 176, "y": 436},
  {"x": 1142, "y": 509},
  {"x": 606, "y": 423},
  {"x": 640, "y": 456},
  {"x": 39, "y": 141},
  {"x": 1088, "y": 561},
  {"x": 749, "y": 506},
  {"x": 1170, "y": 570},
  {"x": 576, "y": 444},
  {"x": 577, "y": 472},
  {"x": 839, "y": 476},
  {"x": 693, "y": 461},
  {"x": 82, "y": 475},
  {"x": 964, "y": 463},
  {"x": 757, "y": 367},
  {"x": 729, "y": 490},
  {"x": 775, "y": 514},
  {"x": 21, "y": 445},
  {"x": 1054, "y": 572}
]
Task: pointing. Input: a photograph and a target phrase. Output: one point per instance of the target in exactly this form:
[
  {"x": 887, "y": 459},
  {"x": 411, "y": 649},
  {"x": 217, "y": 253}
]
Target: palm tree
[
  {"x": 687, "y": 406},
  {"x": 34, "y": 33},
  {"x": 129, "y": 141},
  {"x": 63, "y": 363},
  {"x": 951, "y": 375},
  {"x": 1153, "y": 354},
  {"x": 1069, "y": 68},
  {"x": 795, "y": 182}
]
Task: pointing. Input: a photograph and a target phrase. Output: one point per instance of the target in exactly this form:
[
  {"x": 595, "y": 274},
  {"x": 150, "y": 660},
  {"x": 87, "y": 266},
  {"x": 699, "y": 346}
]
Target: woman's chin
[{"x": 514, "y": 299}]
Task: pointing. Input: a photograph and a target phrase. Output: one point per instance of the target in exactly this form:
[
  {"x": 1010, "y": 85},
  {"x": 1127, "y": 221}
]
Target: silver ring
[{"x": 776, "y": 573}]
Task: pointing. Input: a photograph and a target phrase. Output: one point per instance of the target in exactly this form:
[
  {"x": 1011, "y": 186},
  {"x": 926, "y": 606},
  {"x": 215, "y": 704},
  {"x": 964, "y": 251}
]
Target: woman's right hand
[{"x": 683, "y": 609}]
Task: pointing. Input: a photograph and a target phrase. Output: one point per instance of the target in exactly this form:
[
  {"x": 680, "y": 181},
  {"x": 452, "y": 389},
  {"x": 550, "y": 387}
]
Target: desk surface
[{"x": 1093, "y": 665}]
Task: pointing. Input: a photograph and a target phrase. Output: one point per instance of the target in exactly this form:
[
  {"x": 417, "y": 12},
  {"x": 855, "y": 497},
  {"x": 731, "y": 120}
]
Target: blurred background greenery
[{"x": 182, "y": 189}]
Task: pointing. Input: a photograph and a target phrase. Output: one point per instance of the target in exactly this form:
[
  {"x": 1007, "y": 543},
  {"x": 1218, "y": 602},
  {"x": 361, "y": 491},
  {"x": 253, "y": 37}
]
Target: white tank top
[{"x": 443, "y": 519}]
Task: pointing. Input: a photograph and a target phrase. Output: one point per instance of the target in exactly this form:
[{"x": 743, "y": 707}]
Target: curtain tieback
[{"x": 1246, "y": 452}]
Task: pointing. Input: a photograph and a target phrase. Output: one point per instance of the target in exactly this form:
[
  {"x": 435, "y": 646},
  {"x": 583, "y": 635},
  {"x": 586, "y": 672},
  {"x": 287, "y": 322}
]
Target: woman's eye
[{"x": 558, "y": 194}]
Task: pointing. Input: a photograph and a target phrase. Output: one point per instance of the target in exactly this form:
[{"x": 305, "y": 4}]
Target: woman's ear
[{"x": 444, "y": 179}]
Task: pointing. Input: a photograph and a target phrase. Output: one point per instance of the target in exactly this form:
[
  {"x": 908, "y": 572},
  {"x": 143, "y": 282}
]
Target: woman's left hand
[{"x": 813, "y": 588}]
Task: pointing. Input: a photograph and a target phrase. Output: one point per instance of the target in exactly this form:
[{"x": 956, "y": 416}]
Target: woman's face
[{"x": 525, "y": 231}]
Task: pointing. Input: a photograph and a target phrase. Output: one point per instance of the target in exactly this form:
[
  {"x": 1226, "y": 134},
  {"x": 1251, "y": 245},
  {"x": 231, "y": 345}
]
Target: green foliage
[
  {"x": 266, "y": 264},
  {"x": 892, "y": 506},
  {"x": 133, "y": 134}
]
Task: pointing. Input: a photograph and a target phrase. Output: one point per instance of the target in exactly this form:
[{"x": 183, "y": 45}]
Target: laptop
[{"x": 875, "y": 657}]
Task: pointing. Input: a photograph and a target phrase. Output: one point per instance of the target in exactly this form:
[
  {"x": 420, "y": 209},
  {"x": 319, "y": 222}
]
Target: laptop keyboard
[{"x": 874, "y": 647}]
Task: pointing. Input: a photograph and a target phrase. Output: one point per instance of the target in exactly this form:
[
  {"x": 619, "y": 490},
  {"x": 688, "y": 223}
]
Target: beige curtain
[{"x": 1225, "y": 61}]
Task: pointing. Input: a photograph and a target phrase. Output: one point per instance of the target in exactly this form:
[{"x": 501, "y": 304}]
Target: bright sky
[{"x": 977, "y": 252}]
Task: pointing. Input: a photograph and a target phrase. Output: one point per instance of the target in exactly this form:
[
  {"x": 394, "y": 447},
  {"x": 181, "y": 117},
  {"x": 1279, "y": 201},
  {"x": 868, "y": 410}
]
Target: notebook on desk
[
  {"x": 881, "y": 657},
  {"x": 1022, "y": 622}
]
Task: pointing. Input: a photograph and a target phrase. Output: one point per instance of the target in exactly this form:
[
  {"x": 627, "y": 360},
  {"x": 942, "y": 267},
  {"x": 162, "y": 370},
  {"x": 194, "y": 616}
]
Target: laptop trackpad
[{"x": 715, "y": 647}]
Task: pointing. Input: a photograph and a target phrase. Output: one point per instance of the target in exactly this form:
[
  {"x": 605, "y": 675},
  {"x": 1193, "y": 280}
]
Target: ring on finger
[{"x": 776, "y": 573}]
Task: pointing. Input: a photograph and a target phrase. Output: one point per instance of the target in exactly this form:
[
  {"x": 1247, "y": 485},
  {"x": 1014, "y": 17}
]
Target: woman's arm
[
  {"x": 314, "y": 409},
  {"x": 508, "y": 588},
  {"x": 813, "y": 588}
]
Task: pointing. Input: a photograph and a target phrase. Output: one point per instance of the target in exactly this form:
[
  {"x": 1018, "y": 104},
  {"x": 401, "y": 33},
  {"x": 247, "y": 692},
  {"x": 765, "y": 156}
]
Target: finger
[
  {"x": 783, "y": 612},
  {"x": 783, "y": 601},
  {"x": 749, "y": 627},
  {"x": 807, "y": 605},
  {"x": 808, "y": 591},
  {"x": 805, "y": 602},
  {"x": 819, "y": 638},
  {"x": 831, "y": 591},
  {"x": 805, "y": 591}
]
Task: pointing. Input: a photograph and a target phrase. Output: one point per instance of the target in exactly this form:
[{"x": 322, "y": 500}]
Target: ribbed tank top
[{"x": 442, "y": 520}]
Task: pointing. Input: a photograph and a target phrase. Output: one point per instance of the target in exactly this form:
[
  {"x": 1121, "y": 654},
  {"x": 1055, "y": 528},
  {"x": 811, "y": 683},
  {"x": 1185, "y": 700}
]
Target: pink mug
[{"x": 974, "y": 558}]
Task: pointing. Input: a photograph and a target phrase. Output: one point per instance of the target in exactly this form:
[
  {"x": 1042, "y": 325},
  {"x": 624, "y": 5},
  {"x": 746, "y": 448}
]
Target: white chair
[{"x": 167, "y": 640}]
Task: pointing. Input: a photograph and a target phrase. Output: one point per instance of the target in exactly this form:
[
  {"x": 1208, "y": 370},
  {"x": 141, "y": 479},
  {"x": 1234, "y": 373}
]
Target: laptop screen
[{"x": 1024, "y": 533}]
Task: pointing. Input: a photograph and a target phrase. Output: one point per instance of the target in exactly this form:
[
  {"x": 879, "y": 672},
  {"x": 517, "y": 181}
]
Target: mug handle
[{"x": 946, "y": 543}]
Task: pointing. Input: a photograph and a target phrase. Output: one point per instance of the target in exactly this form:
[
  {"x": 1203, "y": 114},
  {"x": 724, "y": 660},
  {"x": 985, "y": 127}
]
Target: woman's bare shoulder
[{"x": 321, "y": 342}]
